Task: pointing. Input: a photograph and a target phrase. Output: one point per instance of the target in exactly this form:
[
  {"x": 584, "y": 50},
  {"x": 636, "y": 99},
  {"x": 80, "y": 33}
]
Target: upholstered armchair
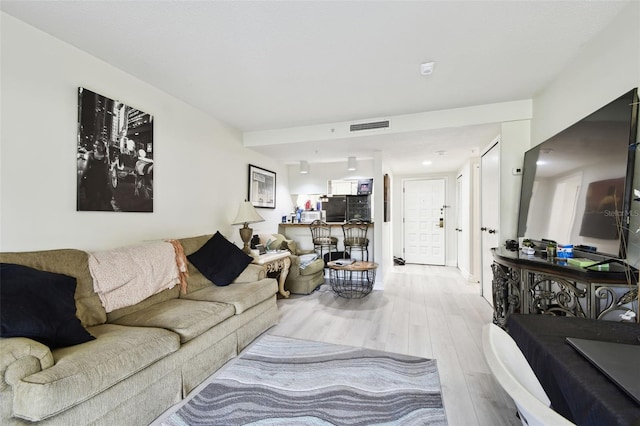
[{"x": 306, "y": 272}]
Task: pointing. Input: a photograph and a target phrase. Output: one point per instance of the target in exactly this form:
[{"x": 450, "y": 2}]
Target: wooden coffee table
[{"x": 353, "y": 281}]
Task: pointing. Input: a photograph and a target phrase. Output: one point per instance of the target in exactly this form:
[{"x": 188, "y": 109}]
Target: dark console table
[{"x": 537, "y": 285}]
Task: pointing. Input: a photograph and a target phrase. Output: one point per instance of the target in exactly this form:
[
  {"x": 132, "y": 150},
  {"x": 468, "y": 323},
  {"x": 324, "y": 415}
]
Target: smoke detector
[{"x": 427, "y": 68}]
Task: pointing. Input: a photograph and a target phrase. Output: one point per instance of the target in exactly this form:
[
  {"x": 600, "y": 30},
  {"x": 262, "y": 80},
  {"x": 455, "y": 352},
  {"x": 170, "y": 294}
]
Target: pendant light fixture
[{"x": 304, "y": 167}]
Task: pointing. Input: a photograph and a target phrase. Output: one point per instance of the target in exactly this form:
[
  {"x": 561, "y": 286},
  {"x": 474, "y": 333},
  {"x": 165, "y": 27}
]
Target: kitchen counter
[
  {"x": 306, "y": 225},
  {"x": 301, "y": 234}
]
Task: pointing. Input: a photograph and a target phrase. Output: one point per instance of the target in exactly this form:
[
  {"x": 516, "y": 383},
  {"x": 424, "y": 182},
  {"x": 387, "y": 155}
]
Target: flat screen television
[{"x": 576, "y": 186}]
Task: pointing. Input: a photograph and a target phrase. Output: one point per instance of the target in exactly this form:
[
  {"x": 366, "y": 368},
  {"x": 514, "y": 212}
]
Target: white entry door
[
  {"x": 424, "y": 210},
  {"x": 490, "y": 214}
]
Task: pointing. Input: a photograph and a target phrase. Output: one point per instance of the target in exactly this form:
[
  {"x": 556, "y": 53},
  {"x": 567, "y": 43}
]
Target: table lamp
[{"x": 246, "y": 214}]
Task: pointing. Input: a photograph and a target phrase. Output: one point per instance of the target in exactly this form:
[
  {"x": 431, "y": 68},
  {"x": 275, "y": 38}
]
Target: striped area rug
[{"x": 284, "y": 381}]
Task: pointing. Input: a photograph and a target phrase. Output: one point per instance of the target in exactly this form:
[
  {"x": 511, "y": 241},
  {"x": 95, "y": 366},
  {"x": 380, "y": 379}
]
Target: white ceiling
[{"x": 263, "y": 65}]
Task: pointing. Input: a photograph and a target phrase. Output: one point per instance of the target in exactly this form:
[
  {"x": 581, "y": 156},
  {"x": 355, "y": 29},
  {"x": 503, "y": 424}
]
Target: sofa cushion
[
  {"x": 187, "y": 318},
  {"x": 311, "y": 267},
  {"x": 82, "y": 371},
  {"x": 39, "y": 305},
  {"x": 191, "y": 245},
  {"x": 241, "y": 295},
  {"x": 69, "y": 262},
  {"x": 220, "y": 260}
]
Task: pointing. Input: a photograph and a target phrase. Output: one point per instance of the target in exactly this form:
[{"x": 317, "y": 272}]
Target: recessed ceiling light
[
  {"x": 426, "y": 163},
  {"x": 427, "y": 68}
]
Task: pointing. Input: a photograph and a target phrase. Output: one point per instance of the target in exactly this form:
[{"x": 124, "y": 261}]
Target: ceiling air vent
[{"x": 369, "y": 126}]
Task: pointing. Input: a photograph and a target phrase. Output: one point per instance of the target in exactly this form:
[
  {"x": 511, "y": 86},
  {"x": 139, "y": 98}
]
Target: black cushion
[
  {"x": 220, "y": 260},
  {"x": 39, "y": 305}
]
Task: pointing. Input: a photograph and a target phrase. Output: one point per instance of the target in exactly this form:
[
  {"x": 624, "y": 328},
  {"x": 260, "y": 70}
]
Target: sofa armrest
[
  {"x": 294, "y": 269},
  {"x": 308, "y": 251},
  {"x": 251, "y": 273},
  {"x": 21, "y": 357}
]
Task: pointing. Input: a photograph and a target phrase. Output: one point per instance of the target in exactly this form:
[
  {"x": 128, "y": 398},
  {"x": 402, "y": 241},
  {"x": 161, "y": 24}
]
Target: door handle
[
  {"x": 492, "y": 231},
  {"x": 484, "y": 228}
]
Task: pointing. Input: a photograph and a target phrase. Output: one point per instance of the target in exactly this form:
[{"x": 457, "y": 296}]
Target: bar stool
[
  {"x": 322, "y": 239},
  {"x": 355, "y": 238}
]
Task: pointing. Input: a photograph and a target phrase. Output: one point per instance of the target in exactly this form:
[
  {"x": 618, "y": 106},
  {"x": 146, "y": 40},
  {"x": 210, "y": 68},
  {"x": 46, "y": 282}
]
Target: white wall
[
  {"x": 201, "y": 166},
  {"x": 442, "y": 119},
  {"x": 606, "y": 68},
  {"x": 514, "y": 141}
]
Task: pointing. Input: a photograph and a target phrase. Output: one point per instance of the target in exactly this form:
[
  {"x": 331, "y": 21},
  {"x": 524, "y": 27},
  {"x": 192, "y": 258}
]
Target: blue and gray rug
[{"x": 283, "y": 381}]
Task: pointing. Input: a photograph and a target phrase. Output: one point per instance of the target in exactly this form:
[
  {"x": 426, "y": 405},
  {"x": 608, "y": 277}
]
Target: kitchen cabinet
[{"x": 343, "y": 187}]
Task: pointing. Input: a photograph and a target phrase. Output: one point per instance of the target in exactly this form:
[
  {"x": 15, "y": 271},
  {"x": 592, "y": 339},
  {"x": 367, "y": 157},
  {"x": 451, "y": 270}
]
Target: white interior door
[
  {"x": 424, "y": 204},
  {"x": 490, "y": 214}
]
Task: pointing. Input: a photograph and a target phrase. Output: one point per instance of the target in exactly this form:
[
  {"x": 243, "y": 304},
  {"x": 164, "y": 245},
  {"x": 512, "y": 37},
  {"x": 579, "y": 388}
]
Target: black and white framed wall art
[
  {"x": 114, "y": 155},
  {"x": 262, "y": 187}
]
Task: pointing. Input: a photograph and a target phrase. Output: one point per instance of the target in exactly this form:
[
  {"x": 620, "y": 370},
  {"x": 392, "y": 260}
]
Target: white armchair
[{"x": 515, "y": 376}]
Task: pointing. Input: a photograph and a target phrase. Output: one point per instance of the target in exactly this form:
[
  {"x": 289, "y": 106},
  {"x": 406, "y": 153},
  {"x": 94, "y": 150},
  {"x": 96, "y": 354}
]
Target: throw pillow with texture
[
  {"x": 272, "y": 241},
  {"x": 290, "y": 245},
  {"x": 39, "y": 305},
  {"x": 219, "y": 260}
]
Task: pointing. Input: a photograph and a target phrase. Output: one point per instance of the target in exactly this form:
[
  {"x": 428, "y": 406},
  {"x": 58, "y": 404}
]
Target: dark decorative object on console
[{"x": 255, "y": 241}]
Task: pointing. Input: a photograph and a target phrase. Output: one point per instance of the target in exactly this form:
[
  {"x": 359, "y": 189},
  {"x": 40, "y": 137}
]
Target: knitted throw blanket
[{"x": 128, "y": 275}]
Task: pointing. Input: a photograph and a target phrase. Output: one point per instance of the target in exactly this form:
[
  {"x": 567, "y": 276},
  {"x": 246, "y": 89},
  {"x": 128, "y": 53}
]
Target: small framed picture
[
  {"x": 262, "y": 187},
  {"x": 261, "y": 249}
]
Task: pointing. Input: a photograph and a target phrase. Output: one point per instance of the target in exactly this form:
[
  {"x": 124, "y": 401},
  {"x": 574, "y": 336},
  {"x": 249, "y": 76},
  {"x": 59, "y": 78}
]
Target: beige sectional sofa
[{"x": 144, "y": 358}]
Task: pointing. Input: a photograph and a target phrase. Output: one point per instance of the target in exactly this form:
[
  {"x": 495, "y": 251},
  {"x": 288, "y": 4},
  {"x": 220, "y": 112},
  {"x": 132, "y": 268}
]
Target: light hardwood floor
[{"x": 426, "y": 311}]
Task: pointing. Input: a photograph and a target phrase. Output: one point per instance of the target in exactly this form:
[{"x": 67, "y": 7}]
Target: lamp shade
[
  {"x": 304, "y": 167},
  {"x": 351, "y": 164},
  {"x": 247, "y": 214}
]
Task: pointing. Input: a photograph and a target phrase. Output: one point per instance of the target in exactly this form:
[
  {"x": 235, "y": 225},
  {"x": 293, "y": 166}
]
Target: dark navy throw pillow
[
  {"x": 220, "y": 260},
  {"x": 39, "y": 305}
]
